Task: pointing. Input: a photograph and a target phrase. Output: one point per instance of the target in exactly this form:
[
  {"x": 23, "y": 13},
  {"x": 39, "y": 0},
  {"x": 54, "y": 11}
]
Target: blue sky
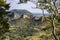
[{"x": 30, "y": 6}]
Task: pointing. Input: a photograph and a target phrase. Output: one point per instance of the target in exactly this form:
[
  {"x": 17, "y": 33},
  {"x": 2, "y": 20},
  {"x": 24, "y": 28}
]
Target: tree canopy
[{"x": 4, "y": 26}]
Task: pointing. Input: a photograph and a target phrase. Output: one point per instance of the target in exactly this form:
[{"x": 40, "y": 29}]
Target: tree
[
  {"x": 42, "y": 8},
  {"x": 22, "y": 1},
  {"x": 4, "y": 26},
  {"x": 54, "y": 14}
]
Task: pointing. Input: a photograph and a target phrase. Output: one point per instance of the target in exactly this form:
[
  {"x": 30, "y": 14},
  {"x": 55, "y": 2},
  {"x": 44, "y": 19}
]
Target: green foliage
[
  {"x": 23, "y": 29},
  {"x": 44, "y": 1},
  {"x": 59, "y": 19},
  {"x": 53, "y": 17},
  {"x": 26, "y": 30},
  {"x": 4, "y": 26}
]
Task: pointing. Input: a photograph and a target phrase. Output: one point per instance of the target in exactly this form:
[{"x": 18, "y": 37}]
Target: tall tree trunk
[
  {"x": 53, "y": 20},
  {"x": 53, "y": 29}
]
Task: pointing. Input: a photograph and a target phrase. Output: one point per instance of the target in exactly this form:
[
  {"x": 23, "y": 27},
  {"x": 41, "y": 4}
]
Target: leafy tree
[
  {"x": 4, "y": 26},
  {"x": 52, "y": 9}
]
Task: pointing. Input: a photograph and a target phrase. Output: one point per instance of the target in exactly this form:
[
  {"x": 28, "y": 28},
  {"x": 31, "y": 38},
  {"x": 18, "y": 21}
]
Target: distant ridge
[{"x": 20, "y": 11}]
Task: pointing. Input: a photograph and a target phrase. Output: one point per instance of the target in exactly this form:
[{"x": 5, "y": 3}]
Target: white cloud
[
  {"x": 27, "y": 6},
  {"x": 12, "y": 1}
]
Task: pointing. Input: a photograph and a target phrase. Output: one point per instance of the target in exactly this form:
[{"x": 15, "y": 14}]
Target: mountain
[{"x": 20, "y": 11}]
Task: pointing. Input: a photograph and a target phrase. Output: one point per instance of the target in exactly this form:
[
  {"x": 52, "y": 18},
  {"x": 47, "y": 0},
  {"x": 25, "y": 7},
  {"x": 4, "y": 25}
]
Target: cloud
[
  {"x": 27, "y": 6},
  {"x": 12, "y": 1}
]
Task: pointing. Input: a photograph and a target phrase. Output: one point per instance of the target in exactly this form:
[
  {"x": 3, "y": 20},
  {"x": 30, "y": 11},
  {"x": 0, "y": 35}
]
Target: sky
[{"x": 30, "y": 6}]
